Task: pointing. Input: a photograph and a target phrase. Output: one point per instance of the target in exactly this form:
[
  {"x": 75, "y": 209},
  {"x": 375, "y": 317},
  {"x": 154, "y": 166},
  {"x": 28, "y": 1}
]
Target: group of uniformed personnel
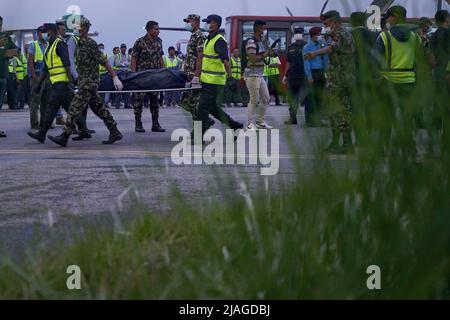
[{"x": 208, "y": 62}]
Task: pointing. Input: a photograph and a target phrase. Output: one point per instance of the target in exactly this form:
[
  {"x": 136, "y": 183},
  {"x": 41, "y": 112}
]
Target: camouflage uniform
[
  {"x": 341, "y": 73},
  {"x": 88, "y": 59},
  {"x": 148, "y": 55},
  {"x": 190, "y": 99}
]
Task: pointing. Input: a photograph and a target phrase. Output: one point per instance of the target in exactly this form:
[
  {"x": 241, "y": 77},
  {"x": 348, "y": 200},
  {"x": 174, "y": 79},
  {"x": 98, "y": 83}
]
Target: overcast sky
[{"x": 122, "y": 21}]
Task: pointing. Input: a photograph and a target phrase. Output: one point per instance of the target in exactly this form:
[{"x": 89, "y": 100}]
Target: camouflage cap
[
  {"x": 85, "y": 22},
  {"x": 330, "y": 14},
  {"x": 192, "y": 16},
  {"x": 424, "y": 21}
]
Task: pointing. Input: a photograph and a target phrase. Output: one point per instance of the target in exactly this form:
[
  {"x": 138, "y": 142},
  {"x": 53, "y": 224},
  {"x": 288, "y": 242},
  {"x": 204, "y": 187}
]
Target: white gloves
[
  {"x": 117, "y": 83},
  {"x": 195, "y": 81}
]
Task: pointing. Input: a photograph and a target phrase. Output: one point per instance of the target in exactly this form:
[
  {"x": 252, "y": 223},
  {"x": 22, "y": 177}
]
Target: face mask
[
  {"x": 388, "y": 25},
  {"x": 319, "y": 38},
  {"x": 298, "y": 37},
  {"x": 264, "y": 34},
  {"x": 207, "y": 27},
  {"x": 188, "y": 27},
  {"x": 45, "y": 37}
]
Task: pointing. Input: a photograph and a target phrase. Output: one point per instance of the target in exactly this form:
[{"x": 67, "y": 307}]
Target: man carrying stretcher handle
[{"x": 89, "y": 57}]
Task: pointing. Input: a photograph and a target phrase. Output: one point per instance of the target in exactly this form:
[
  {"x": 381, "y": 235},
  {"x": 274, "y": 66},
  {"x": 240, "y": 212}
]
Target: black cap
[
  {"x": 330, "y": 14},
  {"x": 396, "y": 11},
  {"x": 213, "y": 17},
  {"x": 49, "y": 26},
  {"x": 60, "y": 22},
  {"x": 40, "y": 29},
  {"x": 299, "y": 30}
]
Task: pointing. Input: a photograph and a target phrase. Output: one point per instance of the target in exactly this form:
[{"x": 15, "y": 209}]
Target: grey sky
[{"x": 122, "y": 21}]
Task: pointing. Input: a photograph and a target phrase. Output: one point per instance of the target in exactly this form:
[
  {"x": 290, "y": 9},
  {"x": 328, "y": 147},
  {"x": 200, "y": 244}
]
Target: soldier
[
  {"x": 191, "y": 99},
  {"x": 147, "y": 54},
  {"x": 88, "y": 59},
  {"x": 341, "y": 73}
]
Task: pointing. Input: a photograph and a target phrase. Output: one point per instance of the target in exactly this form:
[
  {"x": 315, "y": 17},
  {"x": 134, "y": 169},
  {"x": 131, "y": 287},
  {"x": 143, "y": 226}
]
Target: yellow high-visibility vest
[
  {"x": 271, "y": 71},
  {"x": 400, "y": 58},
  {"x": 171, "y": 64},
  {"x": 19, "y": 72},
  {"x": 54, "y": 64},
  {"x": 38, "y": 54},
  {"x": 236, "y": 68},
  {"x": 25, "y": 64},
  {"x": 102, "y": 68},
  {"x": 213, "y": 69}
]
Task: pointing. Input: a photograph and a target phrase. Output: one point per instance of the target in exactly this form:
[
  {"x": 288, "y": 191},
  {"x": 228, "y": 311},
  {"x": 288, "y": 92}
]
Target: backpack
[{"x": 244, "y": 60}]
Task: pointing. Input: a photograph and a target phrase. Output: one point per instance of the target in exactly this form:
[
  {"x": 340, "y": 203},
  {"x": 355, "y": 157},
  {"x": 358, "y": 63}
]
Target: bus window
[
  {"x": 247, "y": 30},
  {"x": 273, "y": 35}
]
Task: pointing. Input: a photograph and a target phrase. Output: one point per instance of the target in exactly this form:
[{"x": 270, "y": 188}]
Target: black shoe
[
  {"x": 2, "y": 134},
  {"x": 60, "y": 140},
  {"x": 291, "y": 122},
  {"x": 157, "y": 128},
  {"x": 235, "y": 125},
  {"x": 82, "y": 136},
  {"x": 36, "y": 136},
  {"x": 211, "y": 122},
  {"x": 76, "y": 131},
  {"x": 114, "y": 136},
  {"x": 138, "y": 126}
]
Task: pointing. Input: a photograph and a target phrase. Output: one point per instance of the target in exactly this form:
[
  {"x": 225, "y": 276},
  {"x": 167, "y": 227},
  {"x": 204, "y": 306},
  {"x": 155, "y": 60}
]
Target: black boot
[
  {"x": 156, "y": 127},
  {"x": 334, "y": 146},
  {"x": 2, "y": 134},
  {"x": 347, "y": 146},
  {"x": 138, "y": 125},
  {"x": 61, "y": 139},
  {"x": 82, "y": 136},
  {"x": 292, "y": 119},
  {"x": 39, "y": 136},
  {"x": 114, "y": 135}
]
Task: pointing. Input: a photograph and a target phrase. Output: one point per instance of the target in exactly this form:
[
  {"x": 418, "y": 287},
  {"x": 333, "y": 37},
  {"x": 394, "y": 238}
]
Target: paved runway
[{"x": 44, "y": 184}]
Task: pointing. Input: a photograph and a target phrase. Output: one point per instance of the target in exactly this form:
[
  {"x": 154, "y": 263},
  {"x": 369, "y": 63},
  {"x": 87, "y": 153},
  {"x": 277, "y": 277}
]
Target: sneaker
[
  {"x": 263, "y": 125},
  {"x": 250, "y": 127}
]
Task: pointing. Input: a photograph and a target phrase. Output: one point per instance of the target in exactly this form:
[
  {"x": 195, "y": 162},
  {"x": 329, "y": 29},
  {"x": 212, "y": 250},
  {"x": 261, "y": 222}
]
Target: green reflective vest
[
  {"x": 102, "y": 68},
  {"x": 38, "y": 54},
  {"x": 213, "y": 69},
  {"x": 25, "y": 64},
  {"x": 19, "y": 71},
  {"x": 171, "y": 64},
  {"x": 55, "y": 67},
  {"x": 271, "y": 71},
  {"x": 236, "y": 68},
  {"x": 400, "y": 58}
]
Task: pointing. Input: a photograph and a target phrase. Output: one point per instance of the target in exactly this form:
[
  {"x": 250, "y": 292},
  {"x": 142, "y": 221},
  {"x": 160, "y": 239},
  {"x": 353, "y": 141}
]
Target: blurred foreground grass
[{"x": 314, "y": 239}]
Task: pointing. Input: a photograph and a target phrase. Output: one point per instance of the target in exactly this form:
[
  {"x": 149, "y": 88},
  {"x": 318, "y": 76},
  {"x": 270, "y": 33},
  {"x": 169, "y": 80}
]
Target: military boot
[
  {"x": 114, "y": 135},
  {"x": 39, "y": 136},
  {"x": 334, "y": 145},
  {"x": 82, "y": 136},
  {"x": 61, "y": 139},
  {"x": 138, "y": 126},
  {"x": 347, "y": 146},
  {"x": 156, "y": 127}
]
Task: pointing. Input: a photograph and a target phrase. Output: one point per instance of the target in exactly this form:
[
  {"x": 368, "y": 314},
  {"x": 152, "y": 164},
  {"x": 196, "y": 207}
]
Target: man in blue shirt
[{"x": 315, "y": 73}]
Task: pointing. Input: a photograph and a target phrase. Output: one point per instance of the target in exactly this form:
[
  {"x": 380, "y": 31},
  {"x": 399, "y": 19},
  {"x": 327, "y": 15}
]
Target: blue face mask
[
  {"x": 207, "y": 27},
  {"x": 188, "y": 27},
  {"x": 45, "y": 37}
]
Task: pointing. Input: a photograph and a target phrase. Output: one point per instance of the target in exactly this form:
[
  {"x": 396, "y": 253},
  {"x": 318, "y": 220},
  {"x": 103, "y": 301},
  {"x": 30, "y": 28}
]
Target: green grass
[{"x": 313, "y": 239}]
